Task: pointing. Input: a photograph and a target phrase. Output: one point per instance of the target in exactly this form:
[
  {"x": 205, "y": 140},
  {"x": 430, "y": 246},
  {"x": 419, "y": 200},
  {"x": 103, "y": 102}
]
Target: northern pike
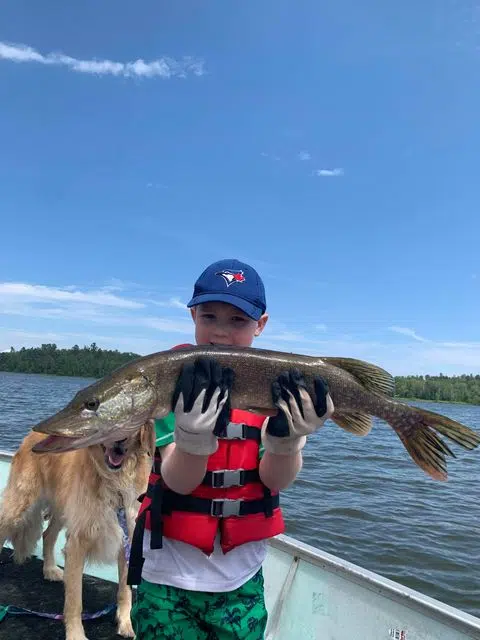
[{"x": 121, "y": 402}]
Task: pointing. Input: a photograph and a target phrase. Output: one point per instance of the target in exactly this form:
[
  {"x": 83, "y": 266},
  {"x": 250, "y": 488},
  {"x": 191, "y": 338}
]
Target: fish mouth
[
  {"x": 100, "y": 434},
  {"x": 114, "y": 454},
  {"x": 62, "y": 444}
]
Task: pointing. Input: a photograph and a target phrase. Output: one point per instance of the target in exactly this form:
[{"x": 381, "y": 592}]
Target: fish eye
[{"x": 92, "y": 404}]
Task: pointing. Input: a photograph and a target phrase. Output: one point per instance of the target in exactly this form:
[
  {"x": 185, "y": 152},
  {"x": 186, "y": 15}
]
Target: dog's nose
[{"x": 119, "y": 447}]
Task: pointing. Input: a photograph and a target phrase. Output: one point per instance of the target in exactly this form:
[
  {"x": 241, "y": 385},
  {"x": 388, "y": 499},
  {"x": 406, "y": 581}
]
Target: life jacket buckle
[
  {"x": 223, "y": 478},
  {"x": 224, "y": 507},
  {"x": 235, "y": 431}
]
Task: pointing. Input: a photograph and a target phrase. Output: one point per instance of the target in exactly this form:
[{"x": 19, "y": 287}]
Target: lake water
[{"x": 362, "y": 499}]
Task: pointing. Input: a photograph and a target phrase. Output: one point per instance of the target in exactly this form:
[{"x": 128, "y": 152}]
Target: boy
[{"x": 206, "y": 519}]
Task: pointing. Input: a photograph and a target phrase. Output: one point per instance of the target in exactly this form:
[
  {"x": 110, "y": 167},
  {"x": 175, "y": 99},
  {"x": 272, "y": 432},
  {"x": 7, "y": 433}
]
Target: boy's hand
[
  {"x": 298, "y": 415},
  {"x": 200, "y": 394}
]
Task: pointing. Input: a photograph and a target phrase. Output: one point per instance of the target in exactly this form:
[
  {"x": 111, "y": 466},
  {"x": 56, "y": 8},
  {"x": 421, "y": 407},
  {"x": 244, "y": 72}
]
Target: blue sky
[{"x": 334, "y": 146}]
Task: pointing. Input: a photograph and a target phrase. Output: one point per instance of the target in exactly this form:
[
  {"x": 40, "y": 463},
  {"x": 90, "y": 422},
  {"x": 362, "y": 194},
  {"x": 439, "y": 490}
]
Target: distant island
[{"x": 93, "y": 362}]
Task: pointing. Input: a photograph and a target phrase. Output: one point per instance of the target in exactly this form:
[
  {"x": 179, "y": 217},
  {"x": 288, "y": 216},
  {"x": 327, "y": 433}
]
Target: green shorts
[{"x": 163, "y": 612}]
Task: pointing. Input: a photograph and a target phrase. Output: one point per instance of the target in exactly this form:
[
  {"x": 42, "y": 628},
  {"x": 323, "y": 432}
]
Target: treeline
[
  {"x": 87, "y": 362},
  {"x": 93, "y": 362},
  {"x": 464, "y": 388}
]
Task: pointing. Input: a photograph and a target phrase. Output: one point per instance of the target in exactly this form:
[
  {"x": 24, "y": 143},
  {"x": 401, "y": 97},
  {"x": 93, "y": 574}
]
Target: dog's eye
[{"x": 92, "y": 404}]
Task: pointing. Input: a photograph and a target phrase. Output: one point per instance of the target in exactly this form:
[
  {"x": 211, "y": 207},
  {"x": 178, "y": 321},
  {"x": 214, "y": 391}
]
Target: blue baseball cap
[{"x": 234, "y": 282}]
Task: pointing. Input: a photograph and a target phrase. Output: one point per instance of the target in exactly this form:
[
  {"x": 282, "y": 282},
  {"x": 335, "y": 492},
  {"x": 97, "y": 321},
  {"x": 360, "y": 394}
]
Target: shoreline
[{"x": 468, "y": 404}]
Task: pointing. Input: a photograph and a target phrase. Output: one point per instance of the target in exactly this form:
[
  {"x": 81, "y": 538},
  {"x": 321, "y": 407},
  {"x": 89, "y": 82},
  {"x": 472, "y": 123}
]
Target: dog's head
[{"x": 140, "y": 443}]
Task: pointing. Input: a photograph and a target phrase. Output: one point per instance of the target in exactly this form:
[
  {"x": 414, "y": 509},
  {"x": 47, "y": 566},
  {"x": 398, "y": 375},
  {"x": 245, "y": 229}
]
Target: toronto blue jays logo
[{"x": 231, "y": 276}]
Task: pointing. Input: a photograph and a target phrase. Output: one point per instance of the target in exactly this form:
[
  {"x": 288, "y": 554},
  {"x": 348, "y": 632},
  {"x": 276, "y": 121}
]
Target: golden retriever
[{"x": 81, "y": 492}]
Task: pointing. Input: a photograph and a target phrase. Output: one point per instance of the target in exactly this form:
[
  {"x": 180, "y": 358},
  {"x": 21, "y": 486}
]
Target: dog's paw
[
  {"x": 55, "y": 574},
  {"x": 125, "y": 628},
  {"x": 75, "y": 635}
]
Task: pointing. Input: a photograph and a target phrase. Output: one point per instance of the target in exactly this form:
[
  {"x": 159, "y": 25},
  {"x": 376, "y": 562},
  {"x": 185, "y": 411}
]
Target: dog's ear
[{"x": 147, "y": 437}]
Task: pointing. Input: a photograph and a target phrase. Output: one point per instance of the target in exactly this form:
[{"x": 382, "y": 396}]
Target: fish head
[{"x": 105, "y": 412}]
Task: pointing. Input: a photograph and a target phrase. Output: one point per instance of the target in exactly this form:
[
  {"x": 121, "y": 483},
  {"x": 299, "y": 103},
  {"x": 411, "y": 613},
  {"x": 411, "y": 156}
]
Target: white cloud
[
  {"x": 329, "y": 173},
  {"x": 167, "y": 324},
  {"x": 96, "y": 315},
  {"x": 297, "y": 343},
  {"x": 62, "y": 309},
  {"x": 34, "y": 314},
  {"x": 33, "y": 292},
  {"x": 164, "y": 67},
  {"x": 288, "y": 336},
  {"x": 408, "y": 332},
  {"x": 460, "y": 345},
  {"x": 304, "y": 155},
  {"x": 122, "y": 284},
  {"x": 79, "y": 312},
  {"x": 448, "y": 360},
  {"x": 172, "y": 303},
  {"x": 273, "y": 156},
  {"x": 156, "y": 185},
  {"x": 296, "y": 338},
  {"x": 70, "y": 307}
]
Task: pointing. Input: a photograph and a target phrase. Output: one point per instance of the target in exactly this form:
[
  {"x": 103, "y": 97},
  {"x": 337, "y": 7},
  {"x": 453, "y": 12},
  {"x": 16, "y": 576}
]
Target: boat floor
[{"x": 24, "y": 586}]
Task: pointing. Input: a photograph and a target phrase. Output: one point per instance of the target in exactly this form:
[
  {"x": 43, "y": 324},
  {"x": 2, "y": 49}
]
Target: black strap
[
  {"x": 220, "y": 508},
  {"x": 157, "y": 462},
  {"x": 156, "y": 533},
  {"x": 230, "y": 478},
  {"x": 269, "y": 502},
  {"x": 135, "y": 564}
]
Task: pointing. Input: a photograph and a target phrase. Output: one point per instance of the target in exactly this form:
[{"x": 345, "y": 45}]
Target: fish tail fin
[
  {"x": 426, "y": 448},
  {"x": 368, "y": 375}
]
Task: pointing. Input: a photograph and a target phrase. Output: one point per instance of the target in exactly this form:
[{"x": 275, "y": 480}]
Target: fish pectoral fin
[
  {"x": 360, "y": 424},
  {"x": 368, "y": 375}
]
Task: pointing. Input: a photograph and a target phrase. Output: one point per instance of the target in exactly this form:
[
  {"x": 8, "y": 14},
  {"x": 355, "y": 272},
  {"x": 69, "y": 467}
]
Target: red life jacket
[{"x": 231, "y": 499}]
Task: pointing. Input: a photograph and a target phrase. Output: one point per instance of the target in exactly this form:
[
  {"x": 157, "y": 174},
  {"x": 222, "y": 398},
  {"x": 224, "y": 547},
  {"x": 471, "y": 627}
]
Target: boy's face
[{"x": 223, "y": 324}]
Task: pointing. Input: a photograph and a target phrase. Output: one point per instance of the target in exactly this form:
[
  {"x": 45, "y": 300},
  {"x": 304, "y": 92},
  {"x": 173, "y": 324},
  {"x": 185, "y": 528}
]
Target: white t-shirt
[{"x": 179, "y": 564}]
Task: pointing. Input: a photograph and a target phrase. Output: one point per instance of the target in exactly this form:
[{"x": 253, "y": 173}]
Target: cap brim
[{"x": 247, "y": 307}]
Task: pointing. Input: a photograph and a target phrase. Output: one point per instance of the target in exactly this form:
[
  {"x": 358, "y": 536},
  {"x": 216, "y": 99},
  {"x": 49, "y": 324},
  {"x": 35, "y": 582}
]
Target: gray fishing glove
[
  {"x": 298, "y": 414},
  {"x": 199, "y": 399}
]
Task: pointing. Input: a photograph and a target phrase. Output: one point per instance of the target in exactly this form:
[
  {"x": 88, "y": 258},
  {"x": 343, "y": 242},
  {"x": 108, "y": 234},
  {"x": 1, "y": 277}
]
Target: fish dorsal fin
[
  {"x": 368, "y": 375},
  {"x": 354, "y": 421}
]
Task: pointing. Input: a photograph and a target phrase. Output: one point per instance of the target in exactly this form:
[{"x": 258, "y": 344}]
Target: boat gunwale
[{"x": 298, "y": 550}]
